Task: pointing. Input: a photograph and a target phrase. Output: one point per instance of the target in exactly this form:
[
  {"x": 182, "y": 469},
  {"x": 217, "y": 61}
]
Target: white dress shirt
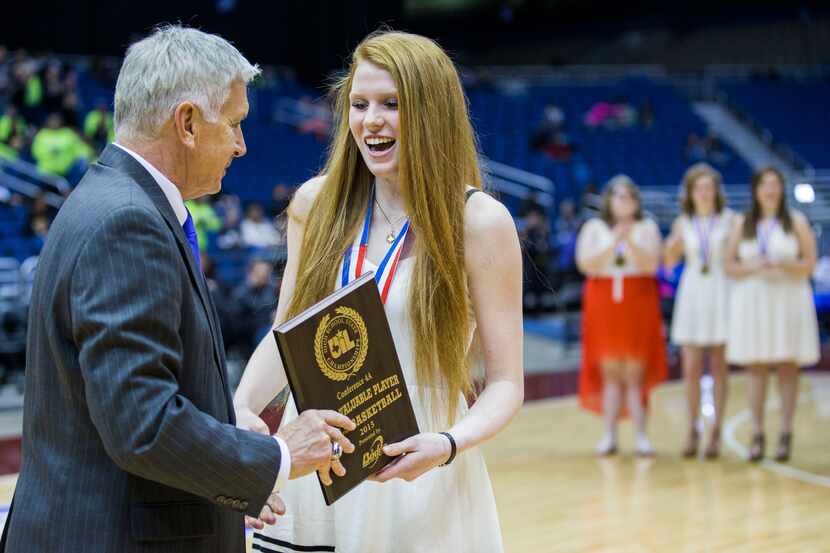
[{"x": 174, "y": 197}]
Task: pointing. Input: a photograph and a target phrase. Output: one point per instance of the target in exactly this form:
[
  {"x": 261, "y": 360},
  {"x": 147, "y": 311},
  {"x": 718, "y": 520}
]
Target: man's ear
[{"x": 184, "y": 123}]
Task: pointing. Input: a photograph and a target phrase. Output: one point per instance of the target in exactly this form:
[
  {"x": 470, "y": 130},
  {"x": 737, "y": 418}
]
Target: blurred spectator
[
  {"x": 535, "y": 237},
  {"x": 708, "y": 148},
  {"x": 60, "y": 150},
  {"x": 715, "y": 149},
  {"x": 567, "y": 229},
  {"x": 5, "y": 77},
  {"x": 257, "y": 231},
  {"x": 549, "y": 136},
  {"x": 554, "y": 117},
  {"x": 98, "y": 126},
  {"x": 39, "y": 226},
  {"x": 590, "y": 201},
  {"x": 39, "y": 212},
  {"x": 228, "y": 209},
  {"x": 531, "y": 203},
  {"x": 12, "y": 125},
  {"x": 218, "y": 289},
  {"x": 26, "y": 88},
  {"x": 70, "y": 106},
  {"x": 13, "y": 133},
  {"x": 315, "y": 118},
  {"x": 53, "y": 88},
  {"x": 695, "y": 148},
  {"x": 204, "y": 219},
  {"x": 611, "y": 115},
  {"x": 254, "y": 302},
  {"x": 280, "y": 198}
]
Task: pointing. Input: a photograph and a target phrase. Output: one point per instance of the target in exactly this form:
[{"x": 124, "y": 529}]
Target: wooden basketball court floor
[{"x": 554, "y": 495}]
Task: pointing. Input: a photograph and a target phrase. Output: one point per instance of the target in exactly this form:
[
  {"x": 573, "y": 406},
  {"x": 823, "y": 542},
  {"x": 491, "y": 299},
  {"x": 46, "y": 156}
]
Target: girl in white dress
[
  {"x": 772, "y": 317},
  {"x": 700, "y": 309},
  {"x": 402, "y": 156}
]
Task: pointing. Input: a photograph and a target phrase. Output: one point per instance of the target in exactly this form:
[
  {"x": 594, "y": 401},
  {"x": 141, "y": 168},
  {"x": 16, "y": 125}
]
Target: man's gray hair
[{"x": 175, "y": 64}]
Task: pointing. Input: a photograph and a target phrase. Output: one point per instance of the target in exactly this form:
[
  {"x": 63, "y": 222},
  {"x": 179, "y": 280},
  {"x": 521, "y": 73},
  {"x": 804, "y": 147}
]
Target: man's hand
[
  {"x": 272, "y": 508},
  {"x": 309, "y": 439}
]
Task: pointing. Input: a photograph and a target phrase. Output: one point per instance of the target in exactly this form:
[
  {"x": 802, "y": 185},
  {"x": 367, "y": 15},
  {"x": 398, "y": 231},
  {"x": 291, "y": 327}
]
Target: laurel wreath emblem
[{"x": 331, "y": 372}]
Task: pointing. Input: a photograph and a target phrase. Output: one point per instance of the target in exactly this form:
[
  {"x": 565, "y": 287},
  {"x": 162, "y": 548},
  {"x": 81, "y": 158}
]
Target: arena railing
[
  {"x": 518, "y": 183},
  {"x": 24, "y": 178}
]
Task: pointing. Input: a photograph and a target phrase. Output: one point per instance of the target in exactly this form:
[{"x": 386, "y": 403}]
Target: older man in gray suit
[{"x": 129, "y": 440}]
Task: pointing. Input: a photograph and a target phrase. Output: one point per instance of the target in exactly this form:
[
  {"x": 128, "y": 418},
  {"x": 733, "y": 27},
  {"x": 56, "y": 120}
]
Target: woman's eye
[
  {"x": 392, "y": 104},
  {"x": 359, "y": 105}
]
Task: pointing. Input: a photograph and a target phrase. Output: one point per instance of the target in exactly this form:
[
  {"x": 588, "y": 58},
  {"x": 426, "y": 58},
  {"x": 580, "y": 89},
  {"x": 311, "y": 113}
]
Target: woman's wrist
[{"x": 453, "y": 449}]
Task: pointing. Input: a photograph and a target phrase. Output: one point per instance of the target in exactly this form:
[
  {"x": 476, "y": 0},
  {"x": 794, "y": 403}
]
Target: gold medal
[
  {"x": 705, "y": 270},
  {"x": 390, "y": 237},
  {"x": 619, "y": 260}
]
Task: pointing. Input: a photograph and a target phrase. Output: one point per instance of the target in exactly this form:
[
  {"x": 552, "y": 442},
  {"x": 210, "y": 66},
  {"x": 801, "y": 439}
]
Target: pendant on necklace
[{"x": 390, "y": 237}]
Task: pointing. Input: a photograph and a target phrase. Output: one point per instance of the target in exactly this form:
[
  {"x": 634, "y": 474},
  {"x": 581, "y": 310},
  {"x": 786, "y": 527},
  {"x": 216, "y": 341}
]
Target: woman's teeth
[{"x": 380, "y": 144}]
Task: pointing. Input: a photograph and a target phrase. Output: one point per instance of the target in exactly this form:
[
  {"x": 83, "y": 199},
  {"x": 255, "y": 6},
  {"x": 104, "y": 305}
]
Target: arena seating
[
  {"x": 651, "y": 156},
  {"x": 795, "y": 112}
]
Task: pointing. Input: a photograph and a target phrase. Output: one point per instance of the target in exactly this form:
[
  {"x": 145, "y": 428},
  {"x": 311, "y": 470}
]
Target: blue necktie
[{"x": 190, "y": 231}]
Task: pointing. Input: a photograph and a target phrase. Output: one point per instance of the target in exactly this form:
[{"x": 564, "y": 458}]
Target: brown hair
[
  {"x": 619, "y": 180},
  {"x": 754, "y": 214},
  {"x": 438, "y": 158},
  {"x": 691, "y": 176}
]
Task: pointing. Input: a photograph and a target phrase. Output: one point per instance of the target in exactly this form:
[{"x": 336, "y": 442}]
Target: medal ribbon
[
  {"x": 617, "y": 280},
  {"x": 704, "y": 232},
  {"x": 355, "y": 256},
  {"x": 764, "y": 232},
  {"x": 619, "y": 250}
]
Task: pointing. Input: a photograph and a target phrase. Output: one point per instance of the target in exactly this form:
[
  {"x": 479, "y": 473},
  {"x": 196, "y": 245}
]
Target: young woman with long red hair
[{"x": 404, "y": 165}]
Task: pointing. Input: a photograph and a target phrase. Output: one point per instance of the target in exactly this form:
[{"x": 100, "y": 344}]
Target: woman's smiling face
[{"x": 373, "y": 119}]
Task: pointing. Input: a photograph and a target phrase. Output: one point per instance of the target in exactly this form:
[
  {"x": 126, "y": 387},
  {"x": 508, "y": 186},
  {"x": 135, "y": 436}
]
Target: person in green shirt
[
  {"x": 57, "y": 148},
  {"x": 205, "y": 219},
  {"x": 12, "y": 125},
  {"x": 98, "y": 127}
]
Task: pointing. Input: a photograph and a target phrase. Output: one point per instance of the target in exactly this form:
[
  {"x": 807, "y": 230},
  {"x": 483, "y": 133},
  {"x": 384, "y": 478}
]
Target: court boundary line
[{"x": 789, "y": 471}]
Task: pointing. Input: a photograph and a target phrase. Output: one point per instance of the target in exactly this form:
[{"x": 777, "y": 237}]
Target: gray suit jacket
[{"x": 129, "y": 442}]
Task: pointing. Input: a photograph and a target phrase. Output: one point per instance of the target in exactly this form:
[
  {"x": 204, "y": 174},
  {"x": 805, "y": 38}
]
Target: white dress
[
  {"x": 702, "y": 302},
  {"x": 772, "y": 319},
  {"x": 446, "y": 509}
]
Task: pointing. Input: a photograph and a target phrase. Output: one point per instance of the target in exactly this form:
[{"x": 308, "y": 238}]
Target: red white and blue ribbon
[{"x": 355, "y": 257}]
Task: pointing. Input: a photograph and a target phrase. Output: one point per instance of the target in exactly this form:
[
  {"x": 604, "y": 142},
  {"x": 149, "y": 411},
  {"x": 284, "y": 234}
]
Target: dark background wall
[{"x": 315, "y": 36}]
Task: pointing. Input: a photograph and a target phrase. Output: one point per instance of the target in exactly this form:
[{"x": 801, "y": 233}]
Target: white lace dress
[{"x": 447, "y": 509}]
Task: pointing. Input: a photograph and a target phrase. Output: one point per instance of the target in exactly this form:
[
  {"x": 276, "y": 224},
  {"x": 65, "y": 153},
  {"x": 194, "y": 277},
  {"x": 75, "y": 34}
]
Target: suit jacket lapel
[{"x": 117, "y": 158}]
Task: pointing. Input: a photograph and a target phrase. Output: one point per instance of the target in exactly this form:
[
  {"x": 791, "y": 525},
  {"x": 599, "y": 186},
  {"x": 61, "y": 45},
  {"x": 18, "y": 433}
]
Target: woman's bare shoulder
[{"x": 304, "y": 198}]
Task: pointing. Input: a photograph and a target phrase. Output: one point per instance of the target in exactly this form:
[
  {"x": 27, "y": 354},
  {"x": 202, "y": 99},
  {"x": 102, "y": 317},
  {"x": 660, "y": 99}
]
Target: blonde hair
[
  {"x": 691, "y": 176},
  {"x": 438, "y": 157}
]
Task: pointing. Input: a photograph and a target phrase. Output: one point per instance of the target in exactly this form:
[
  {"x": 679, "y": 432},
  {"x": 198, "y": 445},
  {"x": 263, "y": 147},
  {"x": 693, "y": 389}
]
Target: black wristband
[{"x": 453, "y": 448}]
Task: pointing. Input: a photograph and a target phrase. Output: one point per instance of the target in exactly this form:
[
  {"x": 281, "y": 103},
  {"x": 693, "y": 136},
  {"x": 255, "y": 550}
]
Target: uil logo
[
  {"x": 341, "y": 344},
  {"x": 371, "y": 457}
]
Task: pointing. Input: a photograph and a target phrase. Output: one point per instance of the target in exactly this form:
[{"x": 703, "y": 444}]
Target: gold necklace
[{"x": 391, "y": 236}]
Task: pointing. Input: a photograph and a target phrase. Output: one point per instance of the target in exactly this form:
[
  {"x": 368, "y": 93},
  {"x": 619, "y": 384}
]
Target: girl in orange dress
[{"x": 623, "y": 345}]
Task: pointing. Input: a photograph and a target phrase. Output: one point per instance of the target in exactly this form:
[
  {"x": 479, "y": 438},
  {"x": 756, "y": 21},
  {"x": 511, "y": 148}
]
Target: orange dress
[{"x": 620, "y": 315}]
